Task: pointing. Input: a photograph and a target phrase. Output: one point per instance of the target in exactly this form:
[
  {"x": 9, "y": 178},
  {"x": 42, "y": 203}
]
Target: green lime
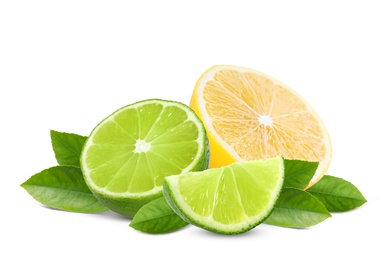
[
  {"x": 228, "y": 200},
  {"x": 127, "y": 155}
]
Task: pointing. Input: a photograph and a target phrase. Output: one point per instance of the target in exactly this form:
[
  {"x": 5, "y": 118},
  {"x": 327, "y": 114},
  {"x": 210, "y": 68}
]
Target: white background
[{"x": 65, "y": 65}]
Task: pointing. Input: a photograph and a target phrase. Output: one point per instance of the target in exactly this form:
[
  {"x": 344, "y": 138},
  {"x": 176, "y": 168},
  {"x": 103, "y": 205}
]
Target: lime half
[
  {"x": 228, "y": 200},
  {"x": 127, "y": 155}
]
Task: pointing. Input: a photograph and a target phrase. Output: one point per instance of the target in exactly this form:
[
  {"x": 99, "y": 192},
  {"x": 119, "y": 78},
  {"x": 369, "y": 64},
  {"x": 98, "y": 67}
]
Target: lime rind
[
  {"x": 128, "y": 201},
  {"x": 178, "y": 203}
]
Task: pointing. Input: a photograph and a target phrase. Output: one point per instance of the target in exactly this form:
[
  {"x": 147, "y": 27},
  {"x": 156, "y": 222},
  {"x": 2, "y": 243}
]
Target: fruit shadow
[
  {"x": 255, "y": 232},
  {"x": 112, "y": 215}
]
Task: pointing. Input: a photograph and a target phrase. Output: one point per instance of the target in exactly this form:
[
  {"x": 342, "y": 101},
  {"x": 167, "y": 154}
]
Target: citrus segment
[
  {"x": 228, "y": 200},
  {"x": 249, "y": 115},
  {"x": 128, "y": 154}
]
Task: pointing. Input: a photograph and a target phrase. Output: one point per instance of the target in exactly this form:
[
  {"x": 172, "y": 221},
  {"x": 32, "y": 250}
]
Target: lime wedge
[
  {"x": 127, "y": 155},
  {"x": 228, "y": 200}
]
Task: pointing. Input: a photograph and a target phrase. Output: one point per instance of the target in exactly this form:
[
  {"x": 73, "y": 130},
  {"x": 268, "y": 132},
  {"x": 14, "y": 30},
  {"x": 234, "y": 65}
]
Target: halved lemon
[{"x": 249, "y": 115}]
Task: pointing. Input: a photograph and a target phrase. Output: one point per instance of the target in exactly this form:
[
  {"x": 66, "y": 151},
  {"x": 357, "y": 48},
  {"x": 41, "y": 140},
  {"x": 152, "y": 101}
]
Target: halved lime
[
  {"x": 228, "y": 200},
  {"x": 127, "y": 155}
]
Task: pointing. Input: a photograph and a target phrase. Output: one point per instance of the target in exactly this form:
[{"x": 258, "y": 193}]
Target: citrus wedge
[
  {"x": 127, "y": 155},
  {"x": 249, "y": 115},
  {"x": 227, "y": 200}
]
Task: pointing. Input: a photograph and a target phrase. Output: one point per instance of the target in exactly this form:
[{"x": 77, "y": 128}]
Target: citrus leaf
[
  {"x": 297, "y": 209},
  {"x": 67, "y": 147},
  {"x": 62, "y": 187},
  {"x": 298, "y": 173},
  {"x": 157, "y": 217},
  {"x": 338, "y": 195}
]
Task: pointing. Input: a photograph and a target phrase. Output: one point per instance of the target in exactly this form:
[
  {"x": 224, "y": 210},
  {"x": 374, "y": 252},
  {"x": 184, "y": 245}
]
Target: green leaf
[
  {"x": 67, "y": 147},
  {"x": 157, "y": 217},
  {"x": 63, "y": 187},
  {"x": 299, "y": 173},
  {"x": 338, "y": 195},
  {"x": 297, "y": 209}
]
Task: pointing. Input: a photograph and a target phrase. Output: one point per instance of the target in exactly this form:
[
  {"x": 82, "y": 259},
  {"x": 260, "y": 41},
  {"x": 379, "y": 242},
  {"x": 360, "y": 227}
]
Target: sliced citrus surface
[
  {"x": 227, "y": 200},
  {"x": 127, "y": 155},
  {"x": 249, "y": 115}
]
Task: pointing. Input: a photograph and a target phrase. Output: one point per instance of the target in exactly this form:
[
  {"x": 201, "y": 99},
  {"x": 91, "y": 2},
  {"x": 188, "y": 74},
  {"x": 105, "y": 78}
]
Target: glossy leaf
[
  {"x": 157, "y": 217},
  {"x": 299, "y": 173},
  {"x": 63, "y": 187},
  {"x": 67, "y": 147},
  {"x": 297, "y": 209},
  {"x": 338, "y": 195}
]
